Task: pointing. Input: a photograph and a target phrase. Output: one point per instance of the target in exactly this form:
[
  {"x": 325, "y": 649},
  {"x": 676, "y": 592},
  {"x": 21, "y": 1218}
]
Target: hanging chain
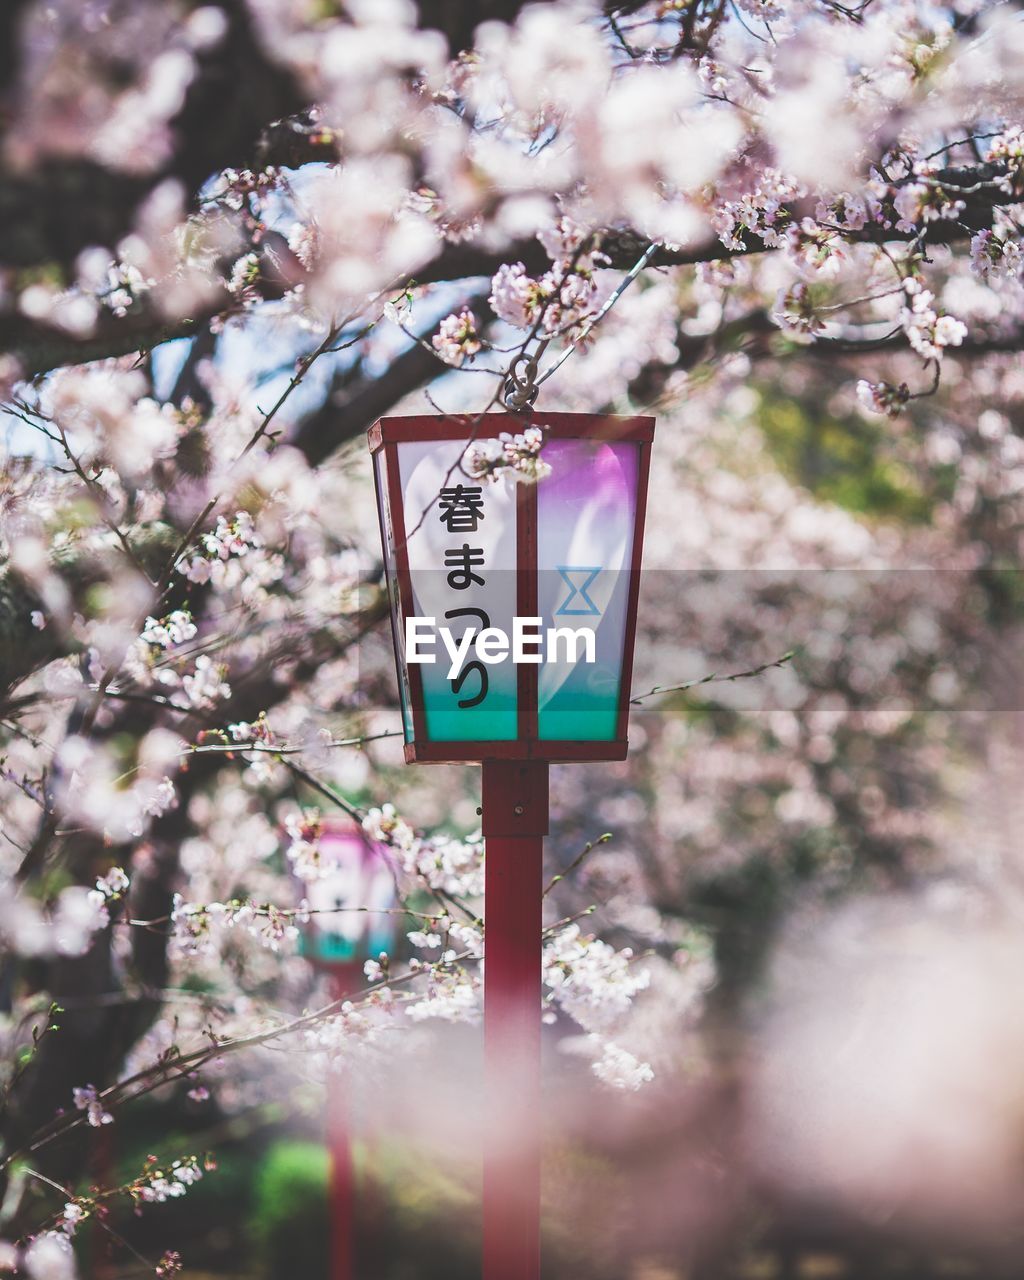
[{"x": 521, "y": 388}]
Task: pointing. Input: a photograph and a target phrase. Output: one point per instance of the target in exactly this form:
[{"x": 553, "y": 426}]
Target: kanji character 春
[{"x": 462, "y": 508}]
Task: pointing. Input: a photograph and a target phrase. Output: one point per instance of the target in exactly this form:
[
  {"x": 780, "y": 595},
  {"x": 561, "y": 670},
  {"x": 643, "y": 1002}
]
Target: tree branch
[{"x": 42, "y": 348}]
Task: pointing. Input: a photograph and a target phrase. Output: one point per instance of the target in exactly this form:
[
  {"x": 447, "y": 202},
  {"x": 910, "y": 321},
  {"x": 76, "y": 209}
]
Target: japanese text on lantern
[{"x": 461, "y": 510}]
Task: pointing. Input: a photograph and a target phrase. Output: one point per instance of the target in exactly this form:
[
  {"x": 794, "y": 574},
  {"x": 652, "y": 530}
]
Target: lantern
[
  {"x": 554, "y": 564},
  {"x": 355, "y": 873},
  {"x": 505, "y": 573}
]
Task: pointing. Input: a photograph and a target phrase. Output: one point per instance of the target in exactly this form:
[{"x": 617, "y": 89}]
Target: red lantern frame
[{"x": 385, "y": 435}]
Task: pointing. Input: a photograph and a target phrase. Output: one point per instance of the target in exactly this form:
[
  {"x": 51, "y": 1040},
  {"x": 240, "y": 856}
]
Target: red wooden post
[
  {"x": 341, "y": 1190},
  {"x": 515, "y": 821}
]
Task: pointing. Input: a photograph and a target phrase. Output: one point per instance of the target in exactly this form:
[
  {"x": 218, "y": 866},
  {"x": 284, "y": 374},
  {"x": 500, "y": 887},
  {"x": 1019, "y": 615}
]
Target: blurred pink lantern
[
  {"x": 351, "y": 920},
  {"x": 352, "y": 900}
]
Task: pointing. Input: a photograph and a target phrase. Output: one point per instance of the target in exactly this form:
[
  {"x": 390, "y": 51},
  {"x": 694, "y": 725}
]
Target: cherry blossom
[
  {"x": 457, "y": 339},
  {"x": 618, "y": 1067},
  {"x": 49, "y": 1257},
  {"x": 929, "y": 332},
  {"x": 516, "y": 455},
  {"x": 268, "y": 226},
  {"x": 87, "y": 1100}
]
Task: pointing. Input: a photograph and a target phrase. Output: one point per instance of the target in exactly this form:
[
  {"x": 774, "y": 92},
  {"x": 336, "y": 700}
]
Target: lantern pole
[{"x": 514, "y": 823}]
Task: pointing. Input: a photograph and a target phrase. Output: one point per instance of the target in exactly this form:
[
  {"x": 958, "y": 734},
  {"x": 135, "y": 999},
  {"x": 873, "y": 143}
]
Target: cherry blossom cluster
[
  {"x": 457, "y": 339},
  {"x": 762, "y": 211},
  {"x": 169, "y": 632},
  {"x": 440, "y": 862},
  {"x": 87, "y": 1099},
  {"x": 47, "y": 1256},
  {"x": 563, "y": 298},
  {"x": 110, "y": 889},
  {"x": 204, "y": 927},
  {"x": 996, "y": 256},
  {"x": 158, "y": 1184},
  {"x": 452, "y": 994},
  {"x": 153, "y": 662},
  {"x": 355, "y": 1036},
  {"x": 303, "y": 851},
  {"x": 66, "y": 928},
  {"x": 615, "y": 1066},
  {"x": 516, "y": 455},
  {"x": 1007, "y": 150},
  {"x": 589, "y": 980},
  {"x": 229, "y": 542},
  {"x": 92, "y": 788},
  {"x": 257, "y": 730},
  {"x": 930, "y": 332}
]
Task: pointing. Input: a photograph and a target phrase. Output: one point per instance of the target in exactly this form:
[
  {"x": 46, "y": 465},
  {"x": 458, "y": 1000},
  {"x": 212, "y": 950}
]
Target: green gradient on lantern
[
  {"x": 332, "y": 947},
  {"x": 585, "y": 708},
  {"x": 496, "y": 719},
  {"x": 328, "y": 948}
]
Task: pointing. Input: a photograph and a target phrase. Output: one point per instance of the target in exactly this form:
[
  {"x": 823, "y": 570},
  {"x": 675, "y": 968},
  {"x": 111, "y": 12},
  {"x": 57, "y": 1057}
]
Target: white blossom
[
  {"x": 883, "y": 397},
  {"x": 166, "y": 633},
  {"x": 205, "y": 685},
  {"x": 451, "y": 996},
  {"x": 516, "y": 455},
  {"x": 995, "y": 257},
  {"x": 591, "y": 981},
  {"x": 49, "y": 1257},
  {"x": 618, "y": 1067},
  {"x": 424, "y": 941},
  {"x": 457, "y": 339},
  {"x": 87, "y": 1099},
  {"x": 73, "y": 1214},
  {"x": 303, "y": 852},
  {"x": 928, "y": 332},
  {"x": 170, "y": 1184}
]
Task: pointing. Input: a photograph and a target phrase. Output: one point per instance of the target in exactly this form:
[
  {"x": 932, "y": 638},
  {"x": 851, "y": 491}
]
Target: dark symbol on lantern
[
  {"x": 578, "y": 590},
  {"x": 462, "y": 561},
  {"x": 462, "y": 508},
  {"x": 460, "y": 680},
  {"x": 475, "y": 665}
]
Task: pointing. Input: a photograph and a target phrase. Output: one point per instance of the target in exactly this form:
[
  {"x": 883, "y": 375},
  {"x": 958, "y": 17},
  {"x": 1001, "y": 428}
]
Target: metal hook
[
  {"x": 519, "y": 393},
  {"x": 520, "y": 390}
]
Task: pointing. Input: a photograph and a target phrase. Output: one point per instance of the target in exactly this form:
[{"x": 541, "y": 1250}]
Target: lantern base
[{"x": 475, "y": 752}]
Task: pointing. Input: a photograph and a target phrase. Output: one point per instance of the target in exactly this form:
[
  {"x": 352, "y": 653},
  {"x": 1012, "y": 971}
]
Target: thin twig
[
  {"x": 714, "y": 678},
  {"x": 587, "y": 849}
]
